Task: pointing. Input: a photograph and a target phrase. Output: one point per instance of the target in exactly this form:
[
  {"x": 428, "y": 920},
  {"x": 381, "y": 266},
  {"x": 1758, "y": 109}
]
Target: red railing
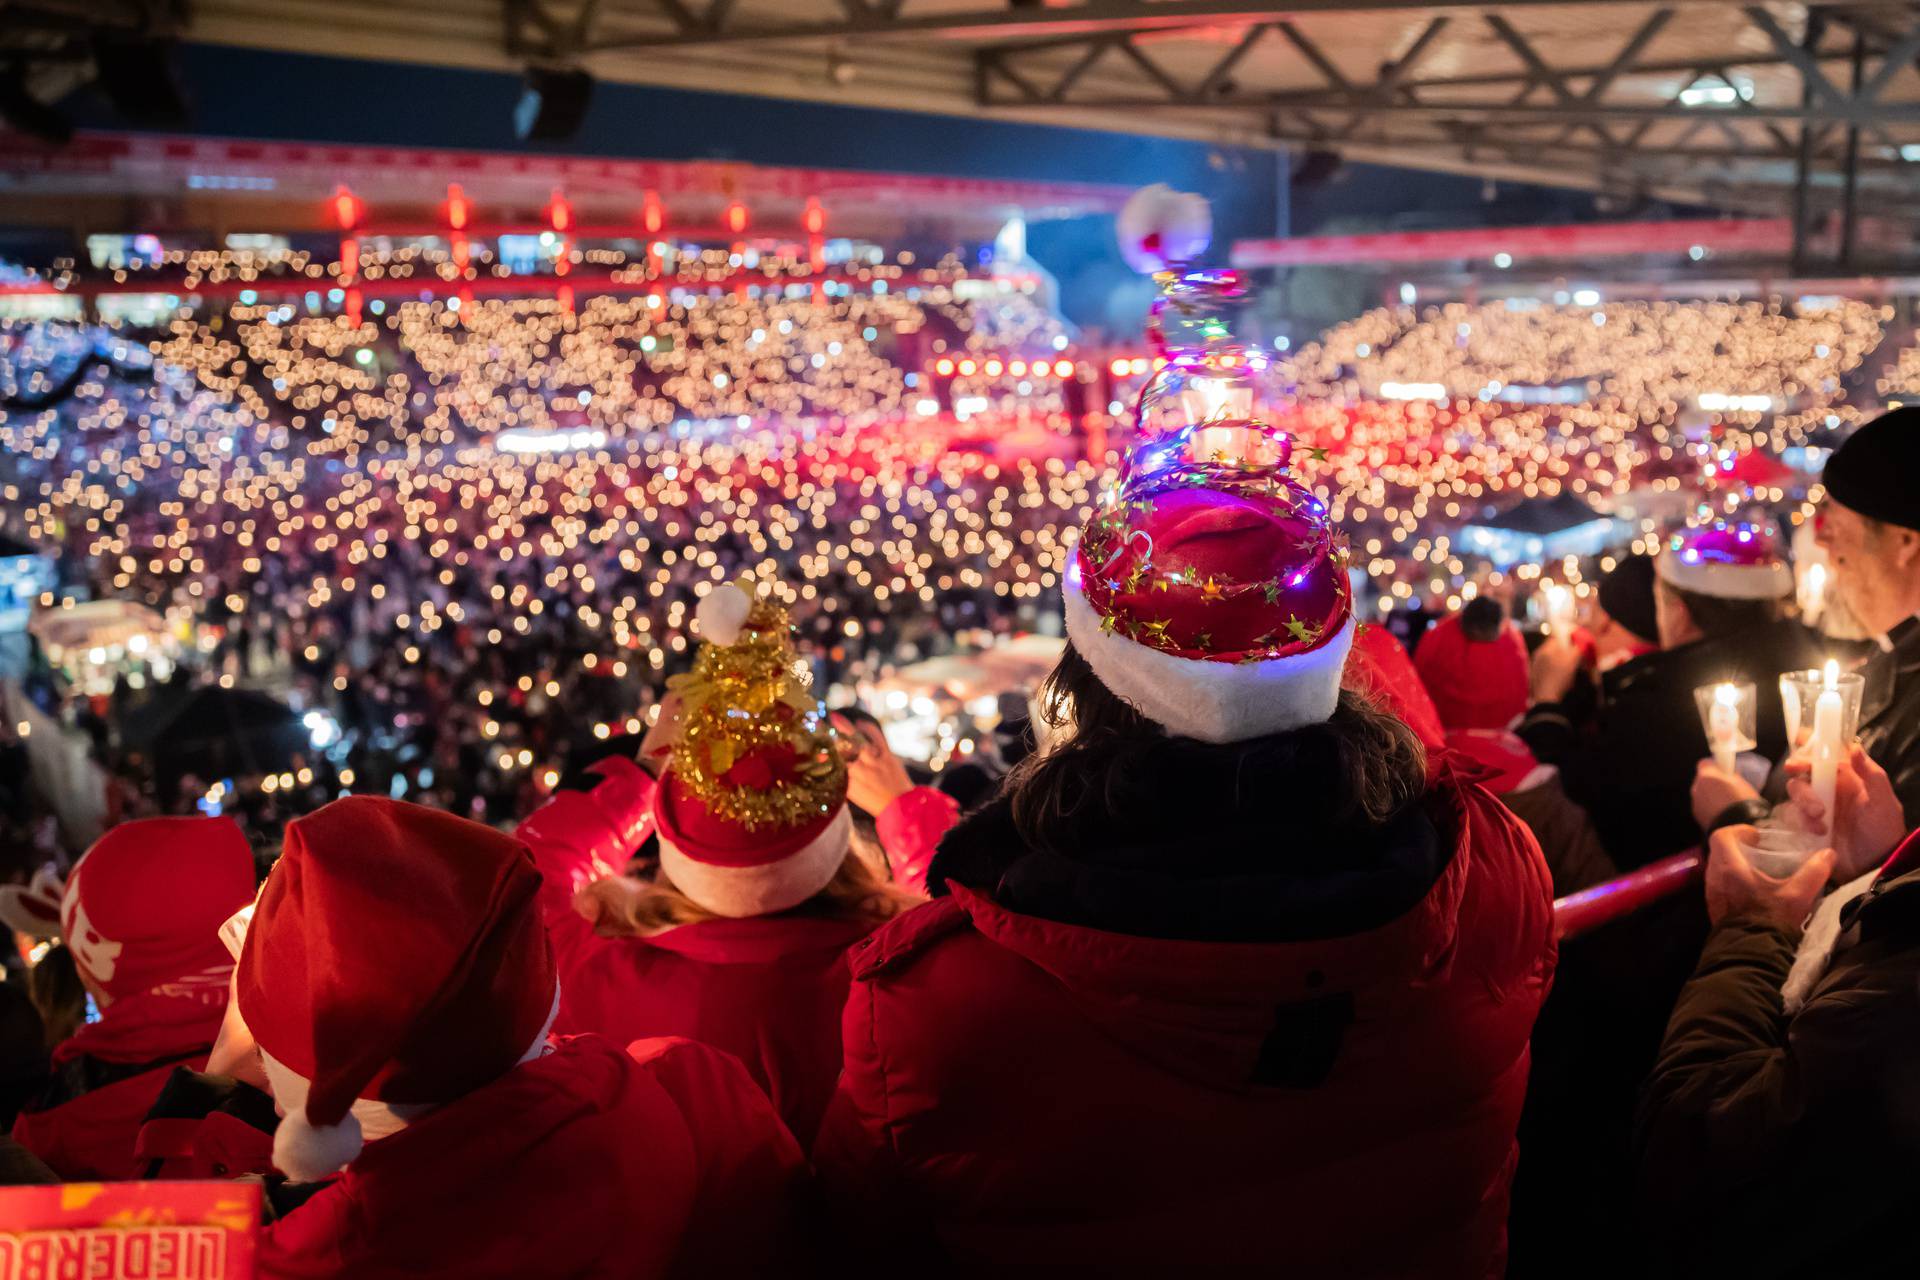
[{"x": 1582, "y": 912}]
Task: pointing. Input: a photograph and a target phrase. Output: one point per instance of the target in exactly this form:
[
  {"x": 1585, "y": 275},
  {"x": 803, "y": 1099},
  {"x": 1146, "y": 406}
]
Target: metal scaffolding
[{"x": 1718, "y": 100}]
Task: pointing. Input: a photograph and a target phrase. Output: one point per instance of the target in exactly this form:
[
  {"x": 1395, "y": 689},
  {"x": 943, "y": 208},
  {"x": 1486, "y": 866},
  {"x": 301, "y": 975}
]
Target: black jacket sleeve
[{"x": 1747, "y": 1111}]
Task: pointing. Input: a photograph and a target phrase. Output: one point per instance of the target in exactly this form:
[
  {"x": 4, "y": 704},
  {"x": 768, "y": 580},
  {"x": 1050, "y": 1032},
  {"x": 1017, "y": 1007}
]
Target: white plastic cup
[{"x": 1778, "y": 852}]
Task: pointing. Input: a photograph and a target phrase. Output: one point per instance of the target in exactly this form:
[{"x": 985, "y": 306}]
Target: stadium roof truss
[{"x": 1702, "y": 99}]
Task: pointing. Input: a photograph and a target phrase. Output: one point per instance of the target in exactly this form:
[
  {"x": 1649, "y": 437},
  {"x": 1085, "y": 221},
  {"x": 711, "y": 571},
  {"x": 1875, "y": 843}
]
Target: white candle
[
  {"x": 1790, "y": 707},
  {"x": 1824, "y": 747},
  {"x": 1723, "y": 726},
  {"x": 1559, "y": 609},
  {"x": 1813, "y": 591}
]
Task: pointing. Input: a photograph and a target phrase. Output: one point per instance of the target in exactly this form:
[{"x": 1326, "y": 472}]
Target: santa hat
[
  {"x": 1727, "y": 559},
  {"x": 144, "y": 906},
  {"x": 1159, "y": 228},
  {"x": 396, "y": 955},
  {"x": 1210, "y": 592},
  {"x": 1476, "y": 684},
  {"x": 751, "y": 813}
]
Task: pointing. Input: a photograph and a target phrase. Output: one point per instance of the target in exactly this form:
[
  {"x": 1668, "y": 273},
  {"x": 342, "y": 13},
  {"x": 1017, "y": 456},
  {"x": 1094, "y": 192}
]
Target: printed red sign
[{"x": 129, "y": 1231}]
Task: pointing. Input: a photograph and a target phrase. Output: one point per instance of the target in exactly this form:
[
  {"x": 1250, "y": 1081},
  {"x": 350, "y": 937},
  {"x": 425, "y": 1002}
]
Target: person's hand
[
  {"x": 875, "y": 776},
  {"x": 1870, "y": 820},
  {"x": 1714, "y": 789},
  {"x": 1556, "y": 665},
  {"x": 658, "y": 741},
  {"x": 1735, "y": 891}
]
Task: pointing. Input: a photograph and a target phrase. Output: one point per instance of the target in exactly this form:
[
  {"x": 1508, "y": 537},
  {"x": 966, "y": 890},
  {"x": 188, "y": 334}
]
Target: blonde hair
[{"x": 633, "y": 907}]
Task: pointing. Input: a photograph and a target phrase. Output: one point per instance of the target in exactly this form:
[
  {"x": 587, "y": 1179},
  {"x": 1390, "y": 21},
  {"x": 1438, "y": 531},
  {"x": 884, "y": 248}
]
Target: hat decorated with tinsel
[
  {"x": 1728, "y": 558},
  {"x": 1209, "y": 589},
  {"x": 751, "y": 811}
]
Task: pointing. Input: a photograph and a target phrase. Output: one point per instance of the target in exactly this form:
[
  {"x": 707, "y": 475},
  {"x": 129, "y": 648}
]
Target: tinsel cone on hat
[
  {"x": 1209, "y": 589},
  {"x": 752, "y": 810}
]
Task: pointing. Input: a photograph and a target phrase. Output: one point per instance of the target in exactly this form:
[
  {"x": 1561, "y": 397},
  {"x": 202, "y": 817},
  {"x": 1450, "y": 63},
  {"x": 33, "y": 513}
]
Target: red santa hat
[
  {"x": 395, "y": 955},
  {"x": 1209, "y": 591},
  {"x": 751, "y": 812},
  {"x": 1728, "y": 559},
  {"x": 144, "y": 906},
  {"x": 1476, "y": 684}
]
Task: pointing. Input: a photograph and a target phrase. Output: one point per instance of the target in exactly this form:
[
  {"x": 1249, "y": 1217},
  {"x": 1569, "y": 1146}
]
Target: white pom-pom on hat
[
  {"x": 307, "y": 1152},
  {"x": 1159, "y": 228},
  {"x": 722, "y": 613}
]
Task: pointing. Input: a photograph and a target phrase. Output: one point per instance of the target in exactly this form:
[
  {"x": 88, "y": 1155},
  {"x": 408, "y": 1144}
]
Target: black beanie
[
  {"x": 1876, "y": 470},
  {"x": 1627, "y": 595}
]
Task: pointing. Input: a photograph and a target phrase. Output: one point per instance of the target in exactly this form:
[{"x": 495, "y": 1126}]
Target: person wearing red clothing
[
  {"x": 739, "y": 940},
  {"x": 396, "y": 987},
  {"x": 1474, "y": 664},
  {"x": 140, "y": 915},
  {"x": 1379, "y": 667},
  {"x": 1224, "y": 982}
]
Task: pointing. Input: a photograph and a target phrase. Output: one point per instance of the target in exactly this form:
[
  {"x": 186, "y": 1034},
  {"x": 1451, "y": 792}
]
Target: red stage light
[
  {"x": 1119, "y": 367},
  {"x": 736, "y": 217},
  {"x": 559, "y": 213},
  {"x": 815, "y": 218},
  {"x": 652, "y": 216},
  {"x": 459, "y": 211},
  {"x": 943, "y": 367},
  {"x": 347, "y": 209},
  {"x": 1063, "y": 367}
]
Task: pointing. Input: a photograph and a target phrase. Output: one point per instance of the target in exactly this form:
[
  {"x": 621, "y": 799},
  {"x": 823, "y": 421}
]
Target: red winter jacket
[
  {"x": 107, "y": 1076},
  {"x": 1025, "y": 1094},
  {"x": 1475, "y": 684},
  {"x": 586, "y": 1162},
  {"x": 767, "y": 989}
]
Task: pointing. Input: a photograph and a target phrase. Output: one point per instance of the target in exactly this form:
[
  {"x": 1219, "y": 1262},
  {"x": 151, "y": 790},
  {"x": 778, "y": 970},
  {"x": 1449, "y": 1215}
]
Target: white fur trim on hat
[
  {"x": 1211, "y": 701},
  {"x": 739, "y": 892},
  {"x": 722, "y": 612},
  {"x": 1770, "y": 581},
  {"x": 308, "y": 1152}
]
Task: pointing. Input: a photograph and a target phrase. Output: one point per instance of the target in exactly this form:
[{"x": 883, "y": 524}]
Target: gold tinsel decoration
[{"x": 746, "y": 695}]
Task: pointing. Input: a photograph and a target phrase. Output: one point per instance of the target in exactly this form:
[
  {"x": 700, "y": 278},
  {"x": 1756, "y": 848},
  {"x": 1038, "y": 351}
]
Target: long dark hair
[{"x": 1102, "y": 741}]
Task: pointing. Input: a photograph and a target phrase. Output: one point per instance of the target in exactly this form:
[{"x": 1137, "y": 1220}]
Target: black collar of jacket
[
  {"x": 1890, "y": 905},
  {"x": 1242, "y": 842},
  {"x": 1887, "y": 669}
]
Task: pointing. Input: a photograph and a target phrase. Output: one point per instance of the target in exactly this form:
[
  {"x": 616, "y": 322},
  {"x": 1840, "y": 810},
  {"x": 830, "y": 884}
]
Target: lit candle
[
  {"x": 1559, "y": 609},
  {"x": 1723, "y": 726},
  {"x": 1824, "y": 747},
  {"x": 1813, "y": 591}
]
